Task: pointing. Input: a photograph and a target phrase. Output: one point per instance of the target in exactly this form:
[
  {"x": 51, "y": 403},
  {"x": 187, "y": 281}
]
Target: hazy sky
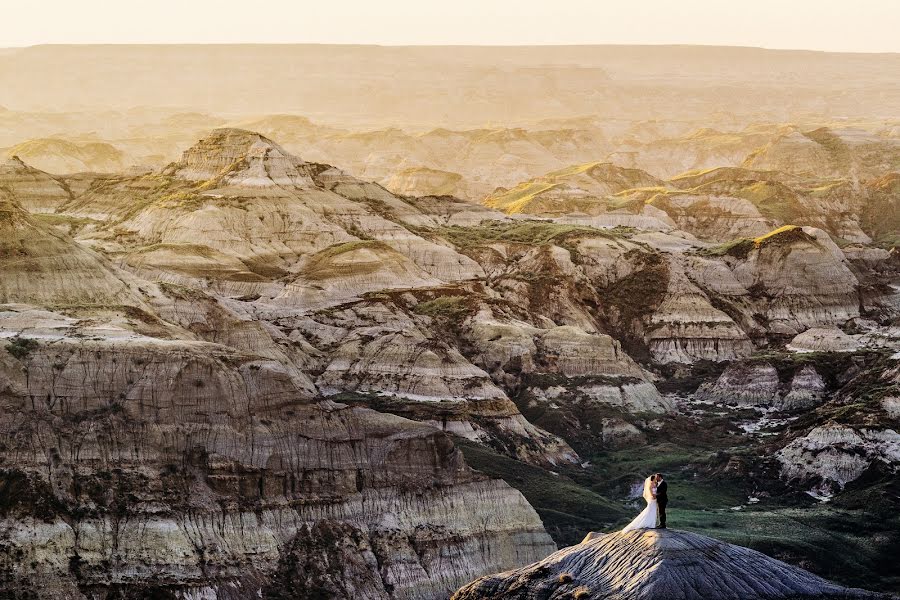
[{"x": 838, "y": 25}]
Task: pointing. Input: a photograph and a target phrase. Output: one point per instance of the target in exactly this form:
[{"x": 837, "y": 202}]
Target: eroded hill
[{"x": 286, "y": 373}]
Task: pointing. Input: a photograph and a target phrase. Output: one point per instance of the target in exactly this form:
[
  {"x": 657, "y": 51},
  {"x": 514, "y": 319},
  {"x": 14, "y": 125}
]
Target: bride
[{"x": 647, "y": 518}]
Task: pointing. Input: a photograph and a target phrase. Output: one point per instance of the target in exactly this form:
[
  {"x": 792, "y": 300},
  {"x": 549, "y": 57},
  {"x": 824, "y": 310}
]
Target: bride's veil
[{"x": 648, "y": 494}]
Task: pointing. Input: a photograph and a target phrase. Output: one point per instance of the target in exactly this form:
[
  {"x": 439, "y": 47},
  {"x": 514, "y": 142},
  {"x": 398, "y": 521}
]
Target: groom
[{"x": 662, "y": 498}]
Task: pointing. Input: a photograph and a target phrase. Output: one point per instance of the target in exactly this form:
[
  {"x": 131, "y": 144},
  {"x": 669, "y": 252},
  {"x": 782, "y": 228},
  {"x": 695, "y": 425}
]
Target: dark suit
[{"x": 662, "y": 498}]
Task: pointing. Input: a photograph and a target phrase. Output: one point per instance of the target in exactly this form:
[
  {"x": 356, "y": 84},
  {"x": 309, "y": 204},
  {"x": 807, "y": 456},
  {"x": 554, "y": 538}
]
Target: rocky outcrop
[
  {"x": 242, "y": 158},
  {"x": 807, "y": 390},
  {"x": 35, "y": 190},
  {"x": 238, "y": 213},
  {"x": 801, "y": 280},
  {"x": 423, "y": 181},
  {"x": 393, "y": 360},
  {"x": 714, "y": 217},
  {"x": 40, "y": 266},
  {"x": 836, "y": 454},
  {"x": 824, "y": 339},
  {"x": 686, "y": 327},
  {"x": 743, "y": 384},
  {"x": 758, "y": 385},
  {"x": 144, "y": 464},
  {"x": 645, "y": 564},
  {"x": 577, "y": 189}
]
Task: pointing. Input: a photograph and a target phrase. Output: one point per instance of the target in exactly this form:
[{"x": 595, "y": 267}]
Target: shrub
[
  {"x": 21, "y": 347},
  {"x": 449, "y": 307}
]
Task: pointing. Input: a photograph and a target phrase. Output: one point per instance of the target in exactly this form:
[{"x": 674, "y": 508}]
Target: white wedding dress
[{"x": 647, "y": 518}]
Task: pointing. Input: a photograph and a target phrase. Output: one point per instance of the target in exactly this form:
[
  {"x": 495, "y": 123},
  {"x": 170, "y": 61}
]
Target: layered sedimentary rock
[
  {"x": 142, "y": 464},
  {"x": 836, "y": 454},
  {"x": 824, "y": 339},
  {"x": 577, "y": 189},
  {"x": 238, "y": 157},
  {"x": 687, "y": 327},
  {"x": 240, "y": 374},
  {"x": 40, "y": 266},
  {"x": 35, "y": 190},
  {"x": 743, "y": 384},
  {"x": 237, "y": 198},
  {"x": 758, "y": 385},
  {"x": 396, "y": 362},
  {"x": 645, "y": 564},
  {"x": 802, "y": 280}
]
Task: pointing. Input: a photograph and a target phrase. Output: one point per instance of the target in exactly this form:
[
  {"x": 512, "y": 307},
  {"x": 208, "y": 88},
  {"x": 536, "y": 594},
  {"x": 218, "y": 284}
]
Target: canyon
[{"x": 273, "y": 355}]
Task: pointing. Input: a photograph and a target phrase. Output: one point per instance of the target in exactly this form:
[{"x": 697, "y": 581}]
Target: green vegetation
[
  {"x": 629, "y": 300},
  {"x": 21, "y": 347},
  {"x": 446, "y": 307},
  {"x": 738, "y": 248},
  {"x": 567, "y": 509},
  {"x": 777, "y": 234},
  {"x": 319, "y": 265},
  {"x": 677, "y": 462},
  {"x": 523, "y": 232},
  {"x": 846, "y": 546}
]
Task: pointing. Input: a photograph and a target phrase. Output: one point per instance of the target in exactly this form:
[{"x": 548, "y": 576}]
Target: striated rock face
[
  {"x": 837, "y": 454},
  {"x": 686, "y": 327},
  {"x": 142, "y": 464},
  {"x": 757, "y": 384},
  {"x": 743, "y": 384},
  {"x": 40, "y": 266},
  {"x": 824, "y": 339},
  {"x": 239, "y": 157},
  {"x": 807, "y": 390},
  {"x": 240, "y": 375},
  {"x": 713, "y": 217},
  {"x": 393, "y": 360},
  {"x": 646, "y": 564},
  {"x": 802, "y": 279},
  {"x": 35, "y": 190}
]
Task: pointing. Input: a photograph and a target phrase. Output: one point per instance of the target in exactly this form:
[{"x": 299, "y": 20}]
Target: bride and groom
[{"x": 656, "y": 495}]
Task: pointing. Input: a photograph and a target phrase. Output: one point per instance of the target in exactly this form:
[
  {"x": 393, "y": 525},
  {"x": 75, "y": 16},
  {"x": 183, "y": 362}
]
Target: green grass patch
[
  {"x": 446, "y": 307},
  {"x": 533, "y": 233},
  {"x": 738, "y": 248},
  {"x": 845, "y": 546},
  {"x": 567, "y": 509}
]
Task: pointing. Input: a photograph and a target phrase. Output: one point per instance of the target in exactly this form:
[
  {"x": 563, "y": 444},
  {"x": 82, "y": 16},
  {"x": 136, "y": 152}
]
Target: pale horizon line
[{"x": 485, "y": 45}]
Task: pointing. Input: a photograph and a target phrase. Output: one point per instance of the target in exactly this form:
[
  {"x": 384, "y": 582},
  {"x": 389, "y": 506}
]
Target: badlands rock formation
[
  {"x": 64, "y": 156},
  {"x": 37, "y": 191},
  {"x": 245, "y": 373},
  {"x": 143, "y": 463},
  {"x": 837, "y": 454},
  {"x": 645, "y": 564}
]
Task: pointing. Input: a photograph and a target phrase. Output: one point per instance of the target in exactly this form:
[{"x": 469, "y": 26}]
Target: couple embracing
[{"x": 656, "y": 495}]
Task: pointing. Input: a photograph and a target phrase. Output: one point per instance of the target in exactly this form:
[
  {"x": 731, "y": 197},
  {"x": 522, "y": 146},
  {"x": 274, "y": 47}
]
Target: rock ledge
[{"x": 647, "y": 564}]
